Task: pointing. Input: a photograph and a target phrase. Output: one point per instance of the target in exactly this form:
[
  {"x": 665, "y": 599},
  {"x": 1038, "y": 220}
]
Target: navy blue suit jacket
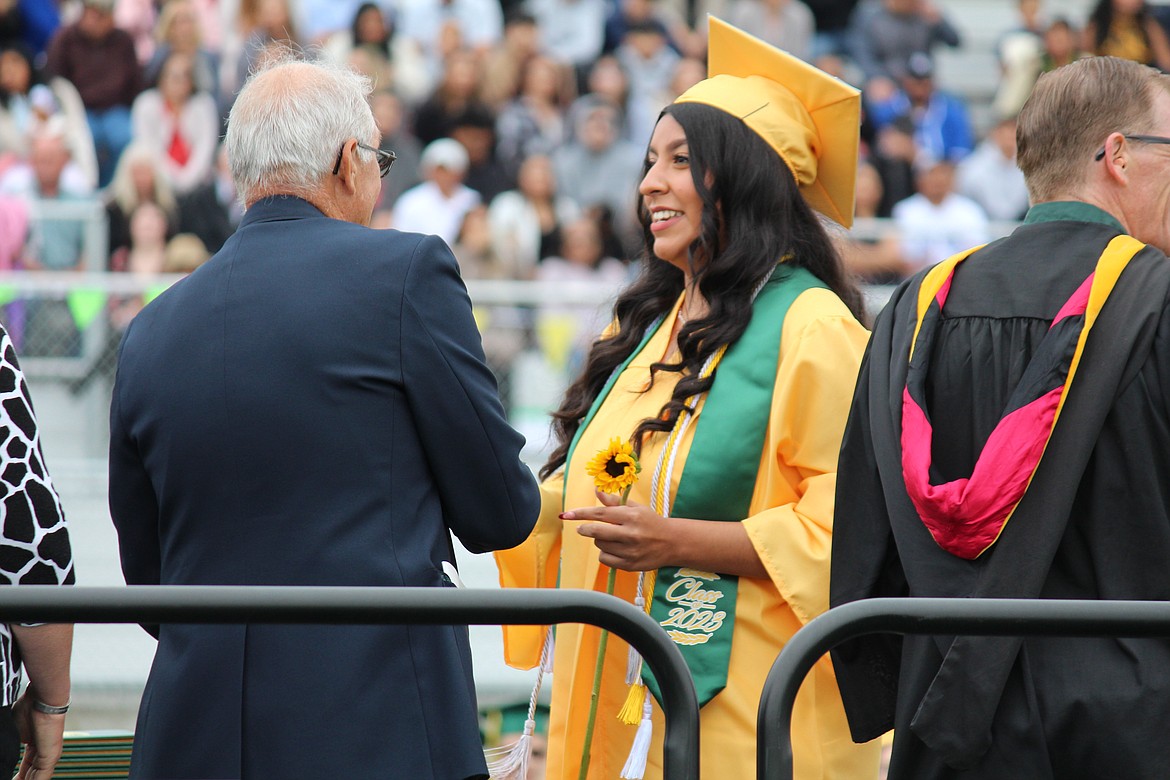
[{"x": 311, "y": 407}]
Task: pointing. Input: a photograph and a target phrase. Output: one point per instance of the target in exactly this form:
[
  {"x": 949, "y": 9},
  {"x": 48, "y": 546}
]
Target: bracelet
[{"x": 48, "y": 709}]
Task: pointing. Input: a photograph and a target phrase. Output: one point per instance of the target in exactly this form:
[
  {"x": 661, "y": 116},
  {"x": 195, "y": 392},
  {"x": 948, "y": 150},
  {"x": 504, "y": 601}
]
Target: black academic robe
[{"x": 1094, "y": 523}]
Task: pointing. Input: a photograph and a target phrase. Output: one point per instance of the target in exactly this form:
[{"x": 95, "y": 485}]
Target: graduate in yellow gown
[{"x": 732, "y": 550}]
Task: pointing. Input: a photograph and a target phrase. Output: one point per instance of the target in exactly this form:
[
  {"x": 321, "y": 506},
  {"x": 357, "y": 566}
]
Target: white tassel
[
  {"x": 510, "y": 762},
  {"x": 634, "y": 659},
  {"x": 635, "y": 767},
  {"x": 546, "y": 656}
]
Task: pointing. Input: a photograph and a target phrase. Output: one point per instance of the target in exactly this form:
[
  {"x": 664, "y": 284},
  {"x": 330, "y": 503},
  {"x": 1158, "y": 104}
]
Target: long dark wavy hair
[{"x": 753, "y": 214}]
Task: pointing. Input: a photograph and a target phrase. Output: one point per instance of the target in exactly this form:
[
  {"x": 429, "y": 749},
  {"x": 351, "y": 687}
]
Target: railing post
[
  {"x": 978, "y": 617},
  {"x": 420, "y": 606}
]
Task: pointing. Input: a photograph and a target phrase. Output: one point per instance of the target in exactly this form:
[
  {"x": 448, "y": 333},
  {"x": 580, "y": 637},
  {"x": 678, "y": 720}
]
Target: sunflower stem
[{"x": 609, "y": 585}]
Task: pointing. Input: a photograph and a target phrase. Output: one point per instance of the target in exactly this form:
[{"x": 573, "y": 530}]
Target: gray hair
[{"x": 289, "y": 122}]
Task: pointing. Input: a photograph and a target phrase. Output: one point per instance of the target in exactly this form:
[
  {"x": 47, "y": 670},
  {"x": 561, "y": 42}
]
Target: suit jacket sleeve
[
  {"x": 490, "y": 498},
  {"x": 133, "y": 505}
]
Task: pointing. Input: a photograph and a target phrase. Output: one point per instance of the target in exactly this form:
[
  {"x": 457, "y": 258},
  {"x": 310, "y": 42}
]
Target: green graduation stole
[{"x": 696, "y": 608}]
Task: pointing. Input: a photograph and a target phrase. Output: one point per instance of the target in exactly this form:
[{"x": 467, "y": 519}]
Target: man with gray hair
[
  {"x": 1010, "y": 438},
  {"x": 310, "y": 407}
]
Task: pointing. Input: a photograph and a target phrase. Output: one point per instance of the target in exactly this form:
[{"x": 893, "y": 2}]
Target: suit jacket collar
[{"x": 276, "y": 208}]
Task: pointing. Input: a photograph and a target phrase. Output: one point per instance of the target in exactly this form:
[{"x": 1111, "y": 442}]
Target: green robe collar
[{"x": 1071, "y": 211}]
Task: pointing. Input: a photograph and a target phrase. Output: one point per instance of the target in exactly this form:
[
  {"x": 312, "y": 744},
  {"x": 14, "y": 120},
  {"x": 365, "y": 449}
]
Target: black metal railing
[
  {"x": 979, "y": 617},
  {"x": 421, "y": 606}
]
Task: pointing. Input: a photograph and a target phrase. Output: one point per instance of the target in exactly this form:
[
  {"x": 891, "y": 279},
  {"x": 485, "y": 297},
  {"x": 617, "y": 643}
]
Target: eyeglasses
[
  {"x": 385, "y": 157},
  {"x": 1145, "y": 139}
]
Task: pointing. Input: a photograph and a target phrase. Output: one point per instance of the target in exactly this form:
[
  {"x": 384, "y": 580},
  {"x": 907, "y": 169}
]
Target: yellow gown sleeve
[
  {"x": 533, "y": 564},
  {"x": 791, "y": 524}
]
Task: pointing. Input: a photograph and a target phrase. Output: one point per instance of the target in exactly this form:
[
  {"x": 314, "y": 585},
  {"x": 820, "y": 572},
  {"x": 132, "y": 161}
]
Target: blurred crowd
[{"x": 519, "y": 125}]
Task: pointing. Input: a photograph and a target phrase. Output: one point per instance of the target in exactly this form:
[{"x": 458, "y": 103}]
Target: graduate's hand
[{"x": 631, "y": 537}]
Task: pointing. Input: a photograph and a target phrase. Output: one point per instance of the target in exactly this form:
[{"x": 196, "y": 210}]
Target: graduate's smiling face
[{"x": 669, "y": 195}]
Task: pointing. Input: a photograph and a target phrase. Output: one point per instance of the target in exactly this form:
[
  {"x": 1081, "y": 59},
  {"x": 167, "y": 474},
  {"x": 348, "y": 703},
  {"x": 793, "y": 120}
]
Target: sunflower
[{"x": 615, "y": 469}]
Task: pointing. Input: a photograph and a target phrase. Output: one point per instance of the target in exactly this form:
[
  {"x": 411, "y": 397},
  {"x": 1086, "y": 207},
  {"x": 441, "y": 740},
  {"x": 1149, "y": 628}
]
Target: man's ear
[
  {"x": 347, "y": 170},
  {"x": 1116, "y": 157}
]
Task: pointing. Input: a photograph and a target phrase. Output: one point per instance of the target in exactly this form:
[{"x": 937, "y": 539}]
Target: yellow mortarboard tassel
[
  {"x": 811, "y": 119},
  {"x": 631, "y": 712}
]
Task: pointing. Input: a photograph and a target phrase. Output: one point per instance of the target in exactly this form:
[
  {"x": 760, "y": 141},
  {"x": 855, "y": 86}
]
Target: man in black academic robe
[{"x": 1093, "y": 518}]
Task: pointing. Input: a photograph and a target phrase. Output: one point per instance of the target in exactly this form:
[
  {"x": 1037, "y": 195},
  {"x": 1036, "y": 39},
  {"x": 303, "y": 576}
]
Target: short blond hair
[{"x": 1070, "y": 113}]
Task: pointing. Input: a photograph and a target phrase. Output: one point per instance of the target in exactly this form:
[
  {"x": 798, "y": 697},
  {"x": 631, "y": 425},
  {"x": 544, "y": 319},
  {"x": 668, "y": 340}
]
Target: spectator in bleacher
[
  {"x": 1019, "y": 51},
  {"x": 391, "y": 60},
  {"x": 786, "y": 24},
  {"x": 179, "y": 31},
  {"x": 244, "y": 18},
  {"x": 597, "y": 167},
  {"x": 213, "y": 18},
  {"x": 647, "y": 59},
  {"x": 1127, "y": 29},
  {"x": 437, "y": 205},
  {"x": 185, "y": 252},
  {"x": 475, "y": 129},
  {"x": 26, "y": 104},
  {"x": 627, "y": 13},
  {"x": 30, "y": 22},
  {"x": 139, "y": 178},
  {"x": 936, "y": 221},
  {"x": 99, "y": 60},
  {"x": 526, "y": 222},
  {"x": 10, "y": 22},
  {"x": 687, "y": 73},
  {"x": 138, "y": 18},
  {"x": 582, "y": 259},
  {"x": 990, "y": 176},
  {"x": 1030, "y": 23},
  {"x": 571, "y": 31},
  {"x": 145, "y": 256},
  {"x": 608, "y": 80},
  {"x": 179, "y": 123},
  {"x": 504, "y": 67},
  {"x": 871, "y": 251},
  {"x": 885, "y": 33},
  {"x": 390, "y": 115},
  {"x": 1061, "y": 45},
  {"x": 475, "y": 252},
  {"x": 358, "y": 477},
  {"x": 831, "y": 17},
  {"x": 942, "y": 124},
  {"x": 55, "y": 244},
  {"x": 212, "y": 211},
  {"x": 35, "y": 550},
  {"x": 319, "y": 20},
  {"x": 893, "y": 155},
  {"x": 504, "y": 329},
  {"x": 272, "y": 28},
  {"x": 534, "y": 122},
  {"x": 456, "y": 91},
  {"x": 475, "y": 24}
]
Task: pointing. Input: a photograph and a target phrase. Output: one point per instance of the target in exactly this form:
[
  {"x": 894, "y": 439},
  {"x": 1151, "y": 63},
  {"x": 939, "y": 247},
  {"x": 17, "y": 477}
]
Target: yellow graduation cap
[{"x": 810, "y": 118}]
